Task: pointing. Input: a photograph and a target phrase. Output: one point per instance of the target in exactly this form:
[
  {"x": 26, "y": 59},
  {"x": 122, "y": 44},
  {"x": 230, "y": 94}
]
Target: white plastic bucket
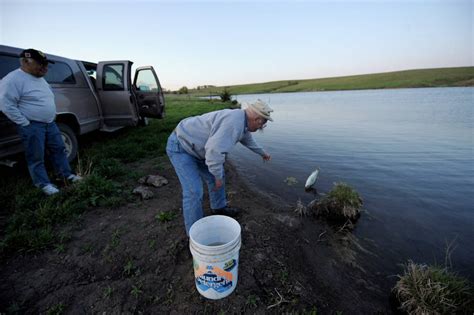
[{"x": 214, "y": 242}]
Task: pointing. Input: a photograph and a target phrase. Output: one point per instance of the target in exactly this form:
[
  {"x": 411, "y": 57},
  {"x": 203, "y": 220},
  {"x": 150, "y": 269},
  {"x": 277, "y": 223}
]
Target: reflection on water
[{"x": 408, "y": 152}]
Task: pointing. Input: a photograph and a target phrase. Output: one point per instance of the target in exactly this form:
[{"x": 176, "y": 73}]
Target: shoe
[
  {"x": 49, "y": 189},
  {"x": 228, "y": 211},
  {"x": 74, "y": 178}
]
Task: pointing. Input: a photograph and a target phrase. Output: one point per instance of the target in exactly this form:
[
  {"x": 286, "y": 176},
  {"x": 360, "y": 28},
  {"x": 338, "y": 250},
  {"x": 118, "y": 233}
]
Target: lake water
[{"x": 408, "y": 152}]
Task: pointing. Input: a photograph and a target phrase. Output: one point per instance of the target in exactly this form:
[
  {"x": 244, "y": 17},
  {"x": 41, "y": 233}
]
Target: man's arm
[
  {"x": 9, "y": 98},
  {"x": 250, "y": 143}
]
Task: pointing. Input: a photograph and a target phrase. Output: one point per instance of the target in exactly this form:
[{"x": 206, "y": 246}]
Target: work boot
[{"x": 228, "y": 211}]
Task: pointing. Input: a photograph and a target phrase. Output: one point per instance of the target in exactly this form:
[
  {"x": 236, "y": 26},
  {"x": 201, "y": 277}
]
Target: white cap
[{"x": 261, "y": 108}]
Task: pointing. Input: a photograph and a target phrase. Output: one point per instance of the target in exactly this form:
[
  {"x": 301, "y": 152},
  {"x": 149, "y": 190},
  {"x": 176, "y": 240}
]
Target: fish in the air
[{"x": 309, "y": 186}]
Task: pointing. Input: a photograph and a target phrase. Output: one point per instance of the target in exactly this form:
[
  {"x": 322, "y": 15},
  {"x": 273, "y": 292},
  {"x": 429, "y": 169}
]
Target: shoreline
[
  {"x": 217, "y": 96},
  {"x": 412, "y": 78}
]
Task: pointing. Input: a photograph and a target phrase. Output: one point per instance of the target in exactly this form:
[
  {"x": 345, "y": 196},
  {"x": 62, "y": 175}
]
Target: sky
[{"x": 192, "y": 43}]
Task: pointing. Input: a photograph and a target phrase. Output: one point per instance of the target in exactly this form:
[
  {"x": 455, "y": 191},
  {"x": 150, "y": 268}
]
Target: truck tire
[{"x": 70, "y": 141}]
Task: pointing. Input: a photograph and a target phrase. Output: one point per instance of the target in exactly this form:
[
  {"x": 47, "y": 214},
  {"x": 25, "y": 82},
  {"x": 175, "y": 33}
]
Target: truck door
[
  {"x": 115, "y": 94},
  {"x": 150, "y": 99}
]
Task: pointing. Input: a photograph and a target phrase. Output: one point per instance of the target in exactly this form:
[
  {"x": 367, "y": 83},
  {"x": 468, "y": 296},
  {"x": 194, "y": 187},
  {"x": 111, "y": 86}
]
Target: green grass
[
  {"x": 426, "y": 289},
  {"x": 33, "y": 219},
  {"x": 128, "y": 268},
  {"x": 252, "y": 301},
  {"x": 108, "y": 292},
  {"x": 441, "y": 77},
  {"x": 136, "y": 290},
  {"x": 56, "y": 309},
  {"x": 165, "y": 216},
  {"x": 342, "y": 203}
]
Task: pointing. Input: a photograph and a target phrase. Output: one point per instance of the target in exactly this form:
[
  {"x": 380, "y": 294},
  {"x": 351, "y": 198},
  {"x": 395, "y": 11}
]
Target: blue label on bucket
[{"x": 214, "y": 278}]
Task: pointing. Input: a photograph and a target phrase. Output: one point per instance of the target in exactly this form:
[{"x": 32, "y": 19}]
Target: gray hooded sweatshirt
[{"x": 211, "y": 136}]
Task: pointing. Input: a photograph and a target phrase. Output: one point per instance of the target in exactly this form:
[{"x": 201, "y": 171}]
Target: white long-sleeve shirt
[
  {"x": 24, "y": 97},
  {"x": 211, "y": 136}
]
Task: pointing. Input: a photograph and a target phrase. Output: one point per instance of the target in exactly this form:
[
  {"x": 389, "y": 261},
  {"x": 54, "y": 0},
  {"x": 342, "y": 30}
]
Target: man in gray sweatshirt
[
  {"x": 27, "y": 100},
  {"x": 198, "y": 148}
]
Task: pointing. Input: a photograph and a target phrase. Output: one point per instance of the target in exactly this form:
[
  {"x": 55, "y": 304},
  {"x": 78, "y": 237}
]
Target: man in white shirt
[{"x": 27, "y": 100}]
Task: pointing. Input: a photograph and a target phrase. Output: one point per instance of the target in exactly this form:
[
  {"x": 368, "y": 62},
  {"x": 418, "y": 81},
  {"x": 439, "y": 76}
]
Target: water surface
[{"x": 408, "y": 152}]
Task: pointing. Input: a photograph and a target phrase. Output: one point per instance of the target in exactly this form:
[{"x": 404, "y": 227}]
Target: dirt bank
[{"x": 126, "y": 260}]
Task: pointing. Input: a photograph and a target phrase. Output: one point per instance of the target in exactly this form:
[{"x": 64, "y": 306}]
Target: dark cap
[{"x": 35, "y": 55}]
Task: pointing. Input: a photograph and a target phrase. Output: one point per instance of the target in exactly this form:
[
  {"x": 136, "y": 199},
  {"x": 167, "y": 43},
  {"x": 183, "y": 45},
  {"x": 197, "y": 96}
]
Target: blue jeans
[
  {"x": 38, "y": 137},
  {"x": 191, "y": 171}
]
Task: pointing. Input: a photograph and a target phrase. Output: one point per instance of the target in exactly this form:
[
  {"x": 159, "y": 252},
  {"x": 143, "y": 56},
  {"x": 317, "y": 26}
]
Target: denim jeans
[
  {"x": 191, "y": 171},
  {"x": 38, "y": 137}
]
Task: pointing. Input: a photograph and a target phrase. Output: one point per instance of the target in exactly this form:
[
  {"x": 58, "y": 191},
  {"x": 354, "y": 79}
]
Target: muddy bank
[{"x": 128, "y": 260}]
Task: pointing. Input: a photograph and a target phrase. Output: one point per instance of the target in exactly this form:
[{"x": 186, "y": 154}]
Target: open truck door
[
  {"x": 115, "y": 93},
  {"x": 148, "y": 92}
]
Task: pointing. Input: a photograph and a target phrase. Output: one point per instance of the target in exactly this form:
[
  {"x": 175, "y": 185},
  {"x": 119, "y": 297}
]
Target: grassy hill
[{"x": 441, "y": 77}]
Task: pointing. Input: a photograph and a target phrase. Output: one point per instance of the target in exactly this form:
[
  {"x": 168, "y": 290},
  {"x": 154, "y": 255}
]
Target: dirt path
[{"x": 126, "y": 261}]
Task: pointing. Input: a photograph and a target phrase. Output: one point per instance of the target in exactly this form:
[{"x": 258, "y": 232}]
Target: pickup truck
[{"x": 89, "y": 96}]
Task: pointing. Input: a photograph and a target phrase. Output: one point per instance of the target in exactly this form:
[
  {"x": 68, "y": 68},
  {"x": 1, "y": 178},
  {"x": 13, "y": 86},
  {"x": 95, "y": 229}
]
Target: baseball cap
[{"x": 35, "y": 55}]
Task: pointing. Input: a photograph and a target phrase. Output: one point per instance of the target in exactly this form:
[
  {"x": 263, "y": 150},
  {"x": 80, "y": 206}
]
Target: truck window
[
  {"x": 146, "y": 81},
  {"x": 8, "y": 64},
  {"x": 59, "y": 72},
  {"x": 113, "y": 77}
]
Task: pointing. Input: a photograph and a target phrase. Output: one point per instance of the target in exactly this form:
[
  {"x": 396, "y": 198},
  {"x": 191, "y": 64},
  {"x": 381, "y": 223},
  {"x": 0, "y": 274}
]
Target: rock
[
  {"x": 153, "y": 180},
  {"x": 157, "y": 180},
  {"x": 144, "y": 192}
]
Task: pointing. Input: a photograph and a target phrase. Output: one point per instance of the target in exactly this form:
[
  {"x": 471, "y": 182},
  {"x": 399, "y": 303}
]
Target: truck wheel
[{"x": 70, "y": 141}]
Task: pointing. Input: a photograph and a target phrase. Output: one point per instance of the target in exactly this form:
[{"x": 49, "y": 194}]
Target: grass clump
[
  {"x": 96, "y": 191},
  {"x": 424, "y": 289},
  {"x": 225, "y": 96},
  {"x": 341, "y": 204},
  {"x": 56, "y": 309},
  {"x": 108, "y": 292},
  {"x": 165, "y": 216}
]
